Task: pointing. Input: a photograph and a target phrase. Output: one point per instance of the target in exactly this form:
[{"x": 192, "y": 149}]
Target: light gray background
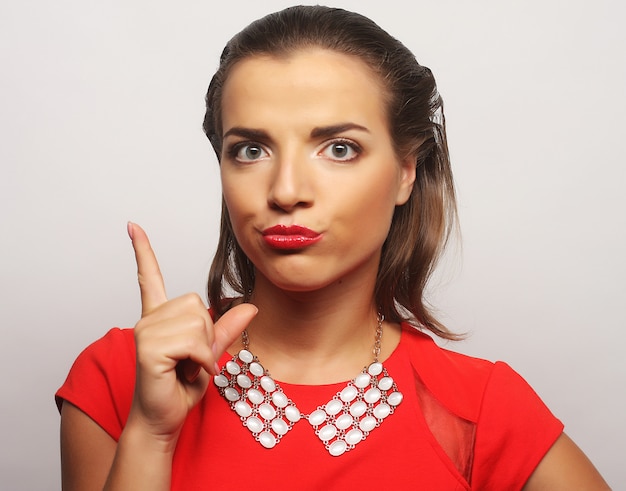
[{"x": 100, "y": 121}]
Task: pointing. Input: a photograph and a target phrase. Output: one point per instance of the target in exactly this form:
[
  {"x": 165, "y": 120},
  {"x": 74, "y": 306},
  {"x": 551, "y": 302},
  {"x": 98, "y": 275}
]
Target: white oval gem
[
  {"x": 220, "y": 381},
  {"x": 358, "y": 409},
  {"x": 395, "y": 398},
  {"x": 267, "y": 412},
  {"x": 268, "y": 384},
  {"x": 375, "y": 368},
  {"x": 244, "y": 381},
  {"x": 368, "y": 423},
  {"x": 382, "y": 411},
  {"x": 279, "y": 426},
  {"x": 245, "y": 356},
  {"x": 292, "y": 413},
  {"x": 232, "y": 367},
  {"x": 256, "y": 369},
  {"x": 344, "y": 421},
  {"x": 255, "y": 396},
  {"x": 362, "y": 380},
  {"x": 267, "y": 439},
  {"x": 333, "y": 407},
  {"x": 372, "y": 395},
  {"x": 385, "y": 383},
  {"x": 349, "y": 393},
  {"x": 354, "y": 436},
  {"x": 279, "y": 399},
  {"x": 243, "y": 409},
  {"x": 317, "y": 417},
  {"x": 231, "y": 394},
  {"x": 254, "y": 424},
  {"x": 337, "y": 448},
  {"x": 328, "y": 432}
]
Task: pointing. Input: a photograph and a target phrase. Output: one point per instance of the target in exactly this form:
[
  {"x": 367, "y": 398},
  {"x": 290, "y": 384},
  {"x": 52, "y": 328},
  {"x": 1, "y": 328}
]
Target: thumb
[
  {"x": 151, "y": 285},
  {"x": 230, "y": 326}
]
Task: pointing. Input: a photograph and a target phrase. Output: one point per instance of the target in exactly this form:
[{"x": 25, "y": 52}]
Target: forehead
[{"x": 313, "y": 85}]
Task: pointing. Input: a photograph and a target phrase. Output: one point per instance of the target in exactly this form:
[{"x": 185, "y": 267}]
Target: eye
[
  {"x": 341, "y": 150},
  {"x": 247, "y": 152}
]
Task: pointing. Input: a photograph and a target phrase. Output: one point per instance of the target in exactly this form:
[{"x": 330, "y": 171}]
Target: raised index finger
[{"x": 151, "y": 283}]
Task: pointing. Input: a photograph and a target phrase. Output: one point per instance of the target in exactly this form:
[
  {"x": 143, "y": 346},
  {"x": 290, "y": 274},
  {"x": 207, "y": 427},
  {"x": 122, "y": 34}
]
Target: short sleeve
[
  {"x": 101, "y": 381},
  {"x": 514, "y": 431}
]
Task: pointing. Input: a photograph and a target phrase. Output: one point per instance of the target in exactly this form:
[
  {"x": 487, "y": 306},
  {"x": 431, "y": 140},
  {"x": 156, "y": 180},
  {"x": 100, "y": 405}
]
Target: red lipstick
[{"x": 290, "y": 237}]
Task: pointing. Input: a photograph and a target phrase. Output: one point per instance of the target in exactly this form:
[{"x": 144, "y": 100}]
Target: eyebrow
[
  {"x": 317, "y": 132},
  {"x": 324, "y": 131},
  {"x": 249, "y": 133}
]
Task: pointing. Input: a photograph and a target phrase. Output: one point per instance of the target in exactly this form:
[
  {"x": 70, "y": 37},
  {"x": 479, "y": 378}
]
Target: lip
[{"x": 290, "y": 237}]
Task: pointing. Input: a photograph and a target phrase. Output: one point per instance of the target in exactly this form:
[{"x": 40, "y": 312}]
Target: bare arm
[
  {"x": 87, "y": 451},
  {"x": 565, "y": 468},
  {"x": 92, "y": 460}
]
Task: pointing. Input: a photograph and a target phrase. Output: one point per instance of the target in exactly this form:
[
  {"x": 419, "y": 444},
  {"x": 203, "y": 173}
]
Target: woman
[{"x": 338, "y": 199}]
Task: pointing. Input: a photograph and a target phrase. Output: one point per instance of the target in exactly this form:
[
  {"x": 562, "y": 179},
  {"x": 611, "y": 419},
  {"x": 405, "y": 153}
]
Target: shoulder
[
  {"x": 463, "y": 383},
  {"x": 513, "y": 427},
  {"x": 115, "y": 350},
  {"x": 116, "y": 338},
  {"x": 109, "y": 358},
  {"x": 457, "y": 380}
]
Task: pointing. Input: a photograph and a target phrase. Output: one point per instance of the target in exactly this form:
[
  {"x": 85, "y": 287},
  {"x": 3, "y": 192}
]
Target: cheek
[
  {"x": 375, "y": 203},
  {"x": 234, "y": 195},
  {"x": 235, "y": 190},
  {"x": 231, "y": 199},
  {"x": 383, "y": 187}
]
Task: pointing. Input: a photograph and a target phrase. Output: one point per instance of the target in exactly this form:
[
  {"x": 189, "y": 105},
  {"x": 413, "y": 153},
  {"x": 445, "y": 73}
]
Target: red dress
[{"x": 464, "y": 423}]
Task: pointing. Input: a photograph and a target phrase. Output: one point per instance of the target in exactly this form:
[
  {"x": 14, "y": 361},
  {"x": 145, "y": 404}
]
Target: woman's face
[{"x": 308, "y": 168}]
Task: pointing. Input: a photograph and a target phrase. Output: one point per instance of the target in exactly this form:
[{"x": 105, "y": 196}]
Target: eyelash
[
  {"x": 352, "y": 146},
  {"x": 234, "y": 150}
]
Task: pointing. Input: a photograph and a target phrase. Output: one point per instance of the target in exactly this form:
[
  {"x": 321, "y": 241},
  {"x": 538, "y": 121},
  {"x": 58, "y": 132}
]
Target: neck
[{"x": 318, "y": 337}]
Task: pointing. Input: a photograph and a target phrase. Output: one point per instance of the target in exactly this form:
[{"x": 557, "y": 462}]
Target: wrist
[
  {"x": 143, "y": 461},
  {"x": 146, "y": 437}
]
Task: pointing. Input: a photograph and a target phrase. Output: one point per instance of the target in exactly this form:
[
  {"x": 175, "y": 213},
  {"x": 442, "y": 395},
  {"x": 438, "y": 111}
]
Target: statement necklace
[{"x": 340, "y": 424}]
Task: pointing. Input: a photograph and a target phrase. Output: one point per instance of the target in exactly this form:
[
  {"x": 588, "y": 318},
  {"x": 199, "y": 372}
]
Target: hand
[{"x": 178, "y": 346}]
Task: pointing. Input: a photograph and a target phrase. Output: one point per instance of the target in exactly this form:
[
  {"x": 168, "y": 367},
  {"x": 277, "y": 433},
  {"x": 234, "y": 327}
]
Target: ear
[{"x": 407, "y": 179}]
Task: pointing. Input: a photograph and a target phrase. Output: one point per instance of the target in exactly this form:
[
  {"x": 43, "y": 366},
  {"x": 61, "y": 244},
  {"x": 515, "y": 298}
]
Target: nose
[{"x": 290, "y": 185}]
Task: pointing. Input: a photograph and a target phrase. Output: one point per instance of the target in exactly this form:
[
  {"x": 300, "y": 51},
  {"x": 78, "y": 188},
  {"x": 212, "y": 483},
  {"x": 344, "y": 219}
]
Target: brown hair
[{"x": 420, "y": 228}]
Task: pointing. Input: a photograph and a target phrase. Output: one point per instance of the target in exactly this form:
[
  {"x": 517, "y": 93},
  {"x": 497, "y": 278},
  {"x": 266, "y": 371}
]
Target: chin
[{"x": 301, "y": 281}]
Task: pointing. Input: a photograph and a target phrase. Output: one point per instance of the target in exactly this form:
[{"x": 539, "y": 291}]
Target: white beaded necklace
[{"x": 340, "y": 424}]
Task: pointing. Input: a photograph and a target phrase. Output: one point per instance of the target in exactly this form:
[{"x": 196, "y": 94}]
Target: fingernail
[
  {"x": 129, "y": 229},
  {"x": 193, "y": 375},
  {"x": 217, "y": 368}
]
